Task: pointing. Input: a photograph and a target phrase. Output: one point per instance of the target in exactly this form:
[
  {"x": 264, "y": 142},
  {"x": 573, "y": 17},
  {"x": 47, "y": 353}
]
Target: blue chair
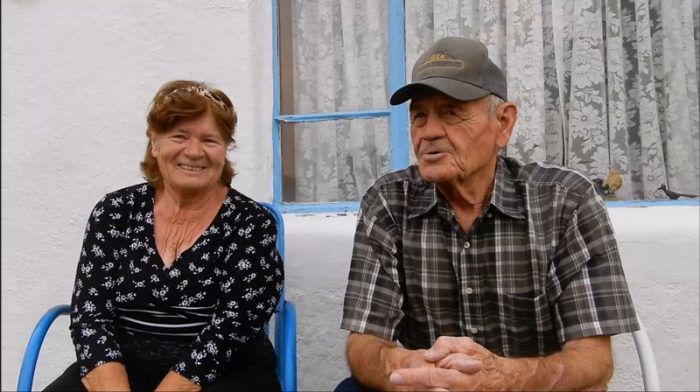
[{"x": 284, "y": 337}]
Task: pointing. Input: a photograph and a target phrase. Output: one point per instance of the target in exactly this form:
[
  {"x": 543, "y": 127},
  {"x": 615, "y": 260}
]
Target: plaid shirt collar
[{"x": 504, "y": 196}]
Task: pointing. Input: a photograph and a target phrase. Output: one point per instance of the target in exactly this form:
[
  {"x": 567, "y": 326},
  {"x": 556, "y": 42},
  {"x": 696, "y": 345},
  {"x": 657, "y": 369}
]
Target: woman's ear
[{"x": 154, "y": 148}]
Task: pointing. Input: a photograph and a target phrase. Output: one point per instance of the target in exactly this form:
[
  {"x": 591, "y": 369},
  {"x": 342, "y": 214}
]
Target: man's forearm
[
  {"x": 372, "y": 359},
  {"x": 367, "y": 357},
  {"x": 584, "y": 364}
]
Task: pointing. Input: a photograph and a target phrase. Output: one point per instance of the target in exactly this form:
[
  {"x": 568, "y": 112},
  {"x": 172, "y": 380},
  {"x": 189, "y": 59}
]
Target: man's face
[{"x": 455, "y": 140}]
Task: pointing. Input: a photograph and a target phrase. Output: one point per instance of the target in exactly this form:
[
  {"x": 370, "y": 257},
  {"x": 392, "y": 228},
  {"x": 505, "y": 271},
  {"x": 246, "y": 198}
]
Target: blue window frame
[{"x": 397, "y": 115}]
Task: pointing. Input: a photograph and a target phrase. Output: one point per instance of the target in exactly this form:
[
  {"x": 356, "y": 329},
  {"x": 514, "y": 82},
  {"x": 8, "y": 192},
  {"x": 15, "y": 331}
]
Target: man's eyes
[
  {"x": 449, "y": 115},
  {"x": 416, "y": 116}
]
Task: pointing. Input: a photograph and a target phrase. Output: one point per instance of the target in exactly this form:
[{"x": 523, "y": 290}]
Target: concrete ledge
[{"x": 659, "y": 247}]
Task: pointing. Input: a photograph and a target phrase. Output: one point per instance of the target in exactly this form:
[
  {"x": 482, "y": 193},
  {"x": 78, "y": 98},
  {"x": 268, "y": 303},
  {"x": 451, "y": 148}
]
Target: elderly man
[{"x": 490, "y": 274}]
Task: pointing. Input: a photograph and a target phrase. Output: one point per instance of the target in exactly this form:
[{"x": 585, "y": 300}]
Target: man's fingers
[
  {"x": 462, "y": 362},
  {"x": 425, "y": 378},
  {"x": 415, "y": 377},
  {"x": 445, "y": 345},
  {"x": 414, "y": 388}
]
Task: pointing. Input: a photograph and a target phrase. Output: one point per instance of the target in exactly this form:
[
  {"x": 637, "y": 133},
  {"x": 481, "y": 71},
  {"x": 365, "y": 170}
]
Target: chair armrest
[
  {"x": 31, "y": 353},
  {"x": 647, "y": 361},
  {"x": 286, "y": 344}
]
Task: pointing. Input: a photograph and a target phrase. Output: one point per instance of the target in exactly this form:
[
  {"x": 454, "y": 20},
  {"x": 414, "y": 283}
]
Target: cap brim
[{"x": 454, "y": 88}]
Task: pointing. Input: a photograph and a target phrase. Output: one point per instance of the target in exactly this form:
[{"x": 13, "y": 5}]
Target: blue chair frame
[{"x": 284, "y": 338}]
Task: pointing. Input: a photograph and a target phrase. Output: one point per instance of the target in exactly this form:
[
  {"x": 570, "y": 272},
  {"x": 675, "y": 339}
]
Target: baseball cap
[{"x": 456, "y": 66}]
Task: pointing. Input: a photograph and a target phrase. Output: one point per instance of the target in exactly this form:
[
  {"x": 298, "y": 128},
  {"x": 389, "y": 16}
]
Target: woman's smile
[{"x": 190, "y": 168}]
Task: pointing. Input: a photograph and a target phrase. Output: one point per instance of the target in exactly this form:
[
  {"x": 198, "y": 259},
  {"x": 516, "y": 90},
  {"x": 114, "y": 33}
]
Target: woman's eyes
[{"x": 208, "y": 140}]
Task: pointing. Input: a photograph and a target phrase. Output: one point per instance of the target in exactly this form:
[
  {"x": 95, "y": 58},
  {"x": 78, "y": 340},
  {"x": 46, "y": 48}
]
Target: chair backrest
[
  {"x": 31, "y": 353},
  {"x": 647, "y": 361},
  {"x": 284, "y": 337},
  {"x": 285, "y": 320}
]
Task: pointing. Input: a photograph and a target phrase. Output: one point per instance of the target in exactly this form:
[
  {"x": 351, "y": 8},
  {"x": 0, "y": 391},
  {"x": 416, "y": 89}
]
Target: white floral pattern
[
  {"x": 600, "y": 85},
  {"x": 120, "y": 268}
]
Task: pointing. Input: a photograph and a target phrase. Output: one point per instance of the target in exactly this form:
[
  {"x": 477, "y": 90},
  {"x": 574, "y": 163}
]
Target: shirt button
[
  {"x": 467, "y": 245},
  {"x": 474, "y": 331},
  {"x": 469, "y": 290}
]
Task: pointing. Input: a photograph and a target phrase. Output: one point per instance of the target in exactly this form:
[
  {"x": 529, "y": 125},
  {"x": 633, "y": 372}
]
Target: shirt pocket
[{"x": 525, "y": 322}]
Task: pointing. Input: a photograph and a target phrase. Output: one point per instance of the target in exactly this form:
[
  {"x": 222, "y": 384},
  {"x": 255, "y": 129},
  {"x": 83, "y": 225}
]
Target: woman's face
[{"x": 191, "y": 155}]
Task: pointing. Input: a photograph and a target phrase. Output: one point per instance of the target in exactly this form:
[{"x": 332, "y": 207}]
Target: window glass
[
  {"x": 594, "y": 83},
  {"x": 333, "y": 58},
  {"x": 339, "y": 56},
  {"x": 339, "y": 159}
]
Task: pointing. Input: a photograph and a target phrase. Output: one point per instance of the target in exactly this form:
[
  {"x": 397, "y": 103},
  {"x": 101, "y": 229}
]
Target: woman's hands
[
  {"x": 175, "y": 382},
  {"x": 110, "y": 376}
]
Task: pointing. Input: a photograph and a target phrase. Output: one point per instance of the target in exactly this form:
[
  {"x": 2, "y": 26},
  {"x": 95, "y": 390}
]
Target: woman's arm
[
  {"x": 92, "y": 314},
  {"x": 175, "y": 382},
  {"x": 110, "y": 376}
]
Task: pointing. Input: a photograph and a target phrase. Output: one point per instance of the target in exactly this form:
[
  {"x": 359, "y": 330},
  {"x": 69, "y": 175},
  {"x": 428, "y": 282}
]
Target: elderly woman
[{"x": 177, "y": 276}]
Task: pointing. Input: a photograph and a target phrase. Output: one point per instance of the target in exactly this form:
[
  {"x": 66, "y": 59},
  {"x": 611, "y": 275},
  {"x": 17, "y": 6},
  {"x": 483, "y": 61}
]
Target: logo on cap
[{"x": 438, "y": 64}]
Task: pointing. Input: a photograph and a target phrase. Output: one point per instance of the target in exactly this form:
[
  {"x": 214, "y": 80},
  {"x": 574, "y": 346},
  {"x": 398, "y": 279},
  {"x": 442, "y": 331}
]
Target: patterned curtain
[
  {"x": 601, "y": 85},
  {"x": 339, "y": 50}
]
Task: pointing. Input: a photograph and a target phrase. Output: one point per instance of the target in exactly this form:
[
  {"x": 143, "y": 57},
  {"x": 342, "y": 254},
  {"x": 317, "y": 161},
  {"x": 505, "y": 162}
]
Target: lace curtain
[
  {"x": 600, "y": 85},
  {"x": 339, "y": 54}
]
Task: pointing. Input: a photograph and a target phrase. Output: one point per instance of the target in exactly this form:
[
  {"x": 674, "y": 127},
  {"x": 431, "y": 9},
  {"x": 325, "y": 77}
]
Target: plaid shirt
[{"x": 540, "y": 266}]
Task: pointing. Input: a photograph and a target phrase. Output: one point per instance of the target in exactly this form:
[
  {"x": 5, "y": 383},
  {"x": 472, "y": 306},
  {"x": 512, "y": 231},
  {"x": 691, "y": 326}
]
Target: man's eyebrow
[
  {"x": 413, "y": 105},
  {"x": 441, "y": 103}
]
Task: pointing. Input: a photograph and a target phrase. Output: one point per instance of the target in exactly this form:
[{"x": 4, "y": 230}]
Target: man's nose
[{"x": 434, "y": 127}]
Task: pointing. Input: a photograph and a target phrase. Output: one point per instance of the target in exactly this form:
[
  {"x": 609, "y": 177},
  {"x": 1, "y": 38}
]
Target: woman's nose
[{"x": 193, "y": 148}]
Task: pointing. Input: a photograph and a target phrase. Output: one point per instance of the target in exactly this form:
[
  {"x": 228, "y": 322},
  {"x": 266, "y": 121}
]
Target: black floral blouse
[{"x": 217, "y": 295}]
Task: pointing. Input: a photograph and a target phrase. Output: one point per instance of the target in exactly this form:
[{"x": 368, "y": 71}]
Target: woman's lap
[{"x": 246, "y": 378}]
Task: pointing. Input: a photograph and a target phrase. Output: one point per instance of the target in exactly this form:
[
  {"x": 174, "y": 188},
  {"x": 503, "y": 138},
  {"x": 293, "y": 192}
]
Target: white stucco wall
[
  {"x": 659, "y": 248},
  {"x": 76, "y": 80}
]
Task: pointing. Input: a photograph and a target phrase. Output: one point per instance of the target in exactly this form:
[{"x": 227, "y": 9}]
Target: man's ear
[{"x": 506, "y": 115}]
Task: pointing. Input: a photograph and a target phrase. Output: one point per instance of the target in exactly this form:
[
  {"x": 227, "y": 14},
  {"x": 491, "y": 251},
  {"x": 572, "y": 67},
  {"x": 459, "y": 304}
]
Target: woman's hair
[{"x": 181, "y": 100}]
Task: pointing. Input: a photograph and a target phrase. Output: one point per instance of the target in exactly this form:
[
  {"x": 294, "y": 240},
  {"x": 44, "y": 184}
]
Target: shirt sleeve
[
  {"x": 92, "y": 312},
  {"x": 588, "y": 279},
  {"x": 373, "y": 297},
  {"x": 248, "y": 295}
]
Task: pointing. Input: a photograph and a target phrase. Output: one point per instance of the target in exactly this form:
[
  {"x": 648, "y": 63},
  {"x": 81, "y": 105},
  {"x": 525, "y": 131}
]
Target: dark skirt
[{"x": 148, "y": 359}]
